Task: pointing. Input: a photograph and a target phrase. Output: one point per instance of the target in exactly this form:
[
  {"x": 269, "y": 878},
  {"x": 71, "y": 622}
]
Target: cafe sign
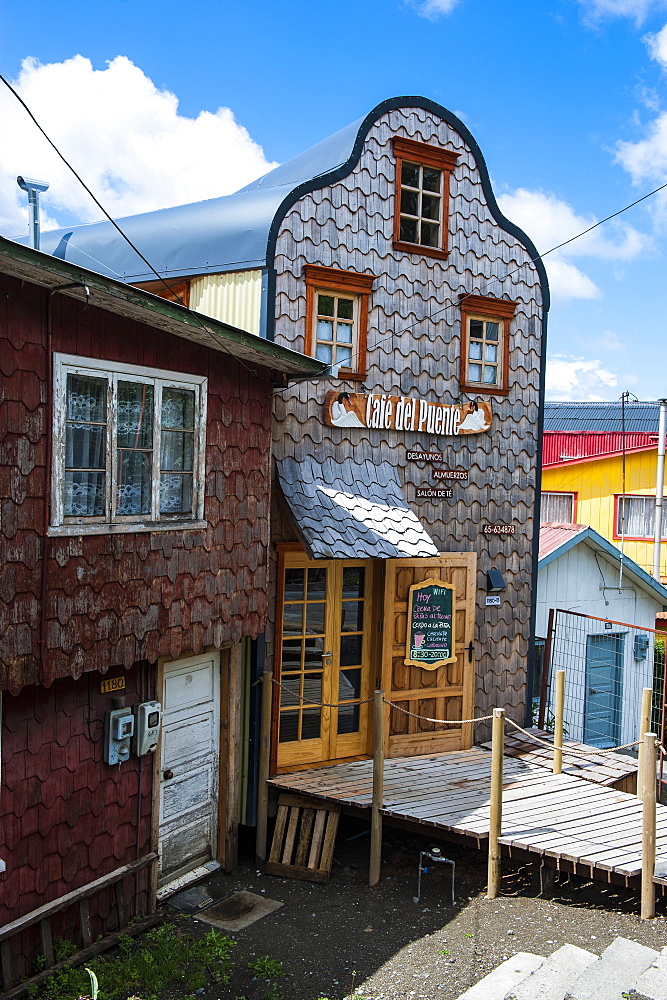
[
  {"x": 430, "y": 639},
  {"x": 406, "y": 413}
]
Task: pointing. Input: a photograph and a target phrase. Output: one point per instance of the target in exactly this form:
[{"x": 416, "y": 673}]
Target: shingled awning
[{"x": 351, "y": 510}]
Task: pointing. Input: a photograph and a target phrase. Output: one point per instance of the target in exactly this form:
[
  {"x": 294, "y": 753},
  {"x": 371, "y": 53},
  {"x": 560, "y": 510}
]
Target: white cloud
[
  {"x": 433, "y": 9},
  {"x": 638, "y": 10},
  {"x": 125, "y": 138},
  {"x": 657, "y": 46},
  {"x": 549, "y": 221},
  {"x": 571, "y": 378}
]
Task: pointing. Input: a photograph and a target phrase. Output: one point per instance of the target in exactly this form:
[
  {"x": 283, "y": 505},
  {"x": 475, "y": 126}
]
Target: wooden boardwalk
[{"x": 572, "y": 823}]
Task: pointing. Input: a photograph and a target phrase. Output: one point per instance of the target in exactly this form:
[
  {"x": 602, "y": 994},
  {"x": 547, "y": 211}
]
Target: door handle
[
  {"x": 167, "y": 775},
  {"x": 592, "y": 691},
  {"x": 326, "y": 654}
]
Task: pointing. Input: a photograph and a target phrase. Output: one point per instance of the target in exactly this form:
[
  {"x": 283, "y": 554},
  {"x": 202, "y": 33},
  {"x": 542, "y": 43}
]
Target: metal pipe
[
  {"x": 32, "y": 188},
  {"x": 659, "y": 489}
]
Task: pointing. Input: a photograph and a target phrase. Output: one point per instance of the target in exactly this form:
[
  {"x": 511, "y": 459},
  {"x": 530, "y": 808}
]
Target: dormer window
[
  {"x": 422, "y": 196},
  {"x": 485, "y": 324}
]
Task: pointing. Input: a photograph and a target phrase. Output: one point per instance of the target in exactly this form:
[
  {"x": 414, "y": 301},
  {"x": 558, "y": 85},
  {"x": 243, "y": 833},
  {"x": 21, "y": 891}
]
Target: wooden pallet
[{"x": 303, "y": 840}]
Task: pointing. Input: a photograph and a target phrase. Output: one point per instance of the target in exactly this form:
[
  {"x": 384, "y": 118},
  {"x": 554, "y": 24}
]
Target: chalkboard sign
[{"x": 430, "y": 639}]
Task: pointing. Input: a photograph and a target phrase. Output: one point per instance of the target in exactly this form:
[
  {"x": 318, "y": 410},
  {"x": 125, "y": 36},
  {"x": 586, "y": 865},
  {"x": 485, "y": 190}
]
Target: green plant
[
  {"x": 162, "y": 960},
  {"x": 444, "y": 951},
  {"x": 266, "y": 968}
]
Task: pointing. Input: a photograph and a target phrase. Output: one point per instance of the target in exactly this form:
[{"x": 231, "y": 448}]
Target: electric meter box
[
  {"x": 641, "y": 646},
  {"x": 118, "y": 732},
  {"x": 148, "y": 716}
]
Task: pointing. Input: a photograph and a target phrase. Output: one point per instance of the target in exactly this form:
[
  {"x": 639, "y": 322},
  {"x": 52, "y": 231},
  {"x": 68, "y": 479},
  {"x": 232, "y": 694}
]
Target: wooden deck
[{"x": 571, "y": 823}]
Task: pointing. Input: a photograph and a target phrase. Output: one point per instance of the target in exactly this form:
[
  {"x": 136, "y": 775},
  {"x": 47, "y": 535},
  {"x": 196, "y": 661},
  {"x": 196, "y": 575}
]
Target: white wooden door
[{"x": 189, "y": 766}]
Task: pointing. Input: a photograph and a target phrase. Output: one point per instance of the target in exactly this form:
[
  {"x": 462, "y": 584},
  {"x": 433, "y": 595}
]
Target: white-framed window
[
  {"x": 336, "y": 328},
  {"x": 558, "y": 507},
  {"x": 128, "y": 446},
  {"x": 639, "y": 515}
]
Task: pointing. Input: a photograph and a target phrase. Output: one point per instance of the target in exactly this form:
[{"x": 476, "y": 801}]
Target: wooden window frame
[
  {"x": 634, "y": 538},
  {"x": 359, "y": 286},
  {"x": 426, "y": 156},
  {"x": 111, "y": 521},
  {"x": 568, "y": 493},
  {"x": 486, "y": 308}
]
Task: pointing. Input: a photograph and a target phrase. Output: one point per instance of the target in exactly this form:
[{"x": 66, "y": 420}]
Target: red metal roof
[
  {"x": 554, "y": 534},
  {"x": 564, "y": 446}
]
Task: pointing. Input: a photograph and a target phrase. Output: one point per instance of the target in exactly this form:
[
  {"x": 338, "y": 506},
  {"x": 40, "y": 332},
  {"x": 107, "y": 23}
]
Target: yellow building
[{"x": 583, "y": 480}]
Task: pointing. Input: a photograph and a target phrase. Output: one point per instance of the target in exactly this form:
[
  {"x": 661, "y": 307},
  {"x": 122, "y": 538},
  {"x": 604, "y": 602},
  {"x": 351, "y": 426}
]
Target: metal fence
[{"x": 607, "y": 665}]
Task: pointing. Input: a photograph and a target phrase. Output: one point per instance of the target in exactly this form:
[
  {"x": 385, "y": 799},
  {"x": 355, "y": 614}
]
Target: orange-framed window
[
  {"x": 485, "y": 343},
  {"x": 337, "y": 318},
  {"x": 633, "y": 517},
  {"x": 558, "y": 507},
  {"x": 421, "y": 204}
]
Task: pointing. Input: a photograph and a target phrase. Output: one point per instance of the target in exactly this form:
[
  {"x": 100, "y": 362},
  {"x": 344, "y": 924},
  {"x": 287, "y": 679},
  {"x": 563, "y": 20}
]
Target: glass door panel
[{"x": 325, "y": 668}]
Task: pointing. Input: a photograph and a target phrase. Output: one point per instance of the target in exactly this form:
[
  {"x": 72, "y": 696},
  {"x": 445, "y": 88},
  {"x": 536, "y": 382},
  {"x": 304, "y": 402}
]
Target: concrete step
[
  {"x": 555, "y": 976},
  {"x": 653, "y": 982},
  {"x": 615, "y": 972},
  {"x": 504, "y": 978}
]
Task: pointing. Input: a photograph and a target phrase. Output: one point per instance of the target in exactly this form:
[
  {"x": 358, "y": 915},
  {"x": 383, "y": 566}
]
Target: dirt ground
[{"x": 343, "y": 938}]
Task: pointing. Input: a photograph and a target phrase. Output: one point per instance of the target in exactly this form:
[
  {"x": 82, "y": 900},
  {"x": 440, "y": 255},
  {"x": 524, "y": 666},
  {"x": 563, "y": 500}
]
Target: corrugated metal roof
[
  {"x": 564, "y": 446},
  {"x": 553, "y": 535},
  {"x": 352, "y": 510},
  {"x": 601, "y": 417},
  {"x": 213, "y": 236}
]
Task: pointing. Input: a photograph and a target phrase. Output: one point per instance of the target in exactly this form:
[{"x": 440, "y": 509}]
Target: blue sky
[{"x": 567, "y": 99}]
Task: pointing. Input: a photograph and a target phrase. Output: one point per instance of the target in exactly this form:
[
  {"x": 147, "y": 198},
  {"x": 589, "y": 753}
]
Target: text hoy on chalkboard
[{"x": 430, "y": 638}]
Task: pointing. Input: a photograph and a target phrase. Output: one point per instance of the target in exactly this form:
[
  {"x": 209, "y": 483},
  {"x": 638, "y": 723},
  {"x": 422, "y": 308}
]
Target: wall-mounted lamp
[{"x": 494, "y": 581}]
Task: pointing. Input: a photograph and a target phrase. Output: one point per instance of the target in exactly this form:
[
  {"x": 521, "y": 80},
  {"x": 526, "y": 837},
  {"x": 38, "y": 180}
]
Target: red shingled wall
[
  {"x": 66, "y": 817},
  {"x": 117, "y": 600}
]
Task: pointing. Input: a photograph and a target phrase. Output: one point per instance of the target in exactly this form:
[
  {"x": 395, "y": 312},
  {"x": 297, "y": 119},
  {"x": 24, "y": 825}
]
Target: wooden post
[
  {"x": 559, "y": 708},
  {"x": 378, "y": 788},
  {"x": 648, "y": 827},
  {"x": 644, "y": 726},
  {"x": 264, "y": 755},
  {"x": 496, "y": 811}
]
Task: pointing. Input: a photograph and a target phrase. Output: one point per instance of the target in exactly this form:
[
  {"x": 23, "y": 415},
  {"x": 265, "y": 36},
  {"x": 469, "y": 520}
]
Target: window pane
[
  {"x": 491, "y": 352},
  {"x": 84, "y": 494},
  {"x": 476, "y": 328},
  {"x": 353, "y": 581},
  {"x": 557, "y": 507},
  {"x": 178, "y": 408},
  {"x": 475, "y": 373},
  {"x": 409, "y": 202},
  {"x": 86, "y": 398},
  {"x": 294, "y": 584},
  {"x": 431, "y": 179},
  {"x": 312, "y": 687},
  {"x": 345, "y": 308},
  {"x": 344, "y": 333},
  {"x": 349, "y": 685},
  {"x": 344, "y": 356},
  {"x": 408, "y": 232},
  {"x": 348, "y": 719},
  {"x": 176, "y": 451},
  {"x": 291, "y": 659},
  {"x": 317, "y": 582},
  {"x": 133, "y": 486},
  {"x": 310, "y": 724},
  {"x": 175, "y": 493},
  {"x": 315, "y": 618},
  {"x": 350, "y": 650},
  {"x": 490, "y": 375},
  {"x": 430, "y": 234},
  {"x": 323, "y": 353},
  {"x": 289, "y": 727},
  {"x": 430, "y": 207},
  {"x": 324, "y": 329},
  {"x": 135, "y": 415},
  {"x": 492, "y": 331},
  {"x": 290, "y": 691},
  {"x": 85, "y": 446},
  {"x": 475, "y": 350},
  {"x": 410, "y": 174},
  {"x": 352, "y": 616},
  {"x": 313, "y": 654},
  {"x": 293, "y": 619},
  {"x": 325, "y": 305}
]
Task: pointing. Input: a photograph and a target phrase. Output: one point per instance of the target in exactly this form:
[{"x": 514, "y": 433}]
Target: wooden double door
[{"x": 341, "y": 633}]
